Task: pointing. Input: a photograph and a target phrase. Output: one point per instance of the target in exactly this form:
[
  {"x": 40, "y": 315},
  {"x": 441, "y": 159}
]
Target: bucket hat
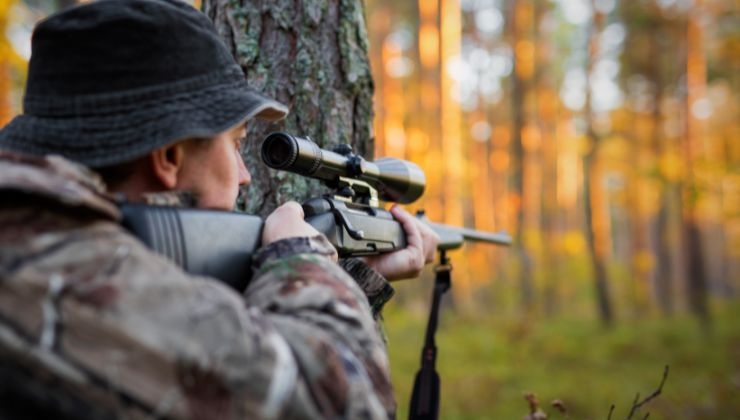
[{"x": 112, "y": 80}]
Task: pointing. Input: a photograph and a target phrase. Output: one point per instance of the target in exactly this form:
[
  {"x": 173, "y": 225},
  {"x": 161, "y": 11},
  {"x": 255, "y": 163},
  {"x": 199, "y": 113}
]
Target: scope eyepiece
[
  {"x": 395, "y": 180},
  {"x": 294, "y": 154},
  {"x": 280, "y": 151}
]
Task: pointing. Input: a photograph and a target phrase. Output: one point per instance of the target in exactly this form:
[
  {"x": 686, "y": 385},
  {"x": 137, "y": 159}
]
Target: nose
[{"x": 245, "y": 178}]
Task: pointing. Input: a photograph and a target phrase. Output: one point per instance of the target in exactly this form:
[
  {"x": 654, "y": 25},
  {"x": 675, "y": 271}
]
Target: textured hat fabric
[{"x": 112, "y": 80}]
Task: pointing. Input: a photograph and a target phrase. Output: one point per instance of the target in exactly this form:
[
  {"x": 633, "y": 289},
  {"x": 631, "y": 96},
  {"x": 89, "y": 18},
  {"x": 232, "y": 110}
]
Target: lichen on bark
[{"x": 312, "y": 56}]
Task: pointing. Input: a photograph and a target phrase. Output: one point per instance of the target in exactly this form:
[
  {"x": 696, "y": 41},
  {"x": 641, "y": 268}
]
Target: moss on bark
[{"x": 312, "y": 56}]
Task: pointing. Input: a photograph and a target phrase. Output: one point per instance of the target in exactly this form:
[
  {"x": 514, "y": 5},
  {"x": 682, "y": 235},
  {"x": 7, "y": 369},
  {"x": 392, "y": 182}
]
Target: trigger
[{"x": 354, "y": 233}]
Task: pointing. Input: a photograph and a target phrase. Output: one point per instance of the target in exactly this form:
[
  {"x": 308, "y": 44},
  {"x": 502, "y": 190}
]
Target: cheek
[
  {"x": 219, "y": 185},
  {"x": 227, "y": 177},
  {"x": 224, "y": 167}
]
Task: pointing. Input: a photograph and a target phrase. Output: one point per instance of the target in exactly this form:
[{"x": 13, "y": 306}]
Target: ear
[{"x": 166, "y": 164}]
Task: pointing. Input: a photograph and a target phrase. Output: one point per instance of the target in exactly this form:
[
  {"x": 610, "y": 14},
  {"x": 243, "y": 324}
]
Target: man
[{"x": 92, "y": 324}]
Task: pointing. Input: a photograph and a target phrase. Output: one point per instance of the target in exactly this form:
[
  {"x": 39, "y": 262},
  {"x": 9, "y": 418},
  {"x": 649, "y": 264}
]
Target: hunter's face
[{"x": 213, "y": 169}]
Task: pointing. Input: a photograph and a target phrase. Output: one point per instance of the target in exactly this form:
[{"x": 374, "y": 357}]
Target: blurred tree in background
[
  {"x": 602, "y": 134},
  {"x": 587, "y": 128}
]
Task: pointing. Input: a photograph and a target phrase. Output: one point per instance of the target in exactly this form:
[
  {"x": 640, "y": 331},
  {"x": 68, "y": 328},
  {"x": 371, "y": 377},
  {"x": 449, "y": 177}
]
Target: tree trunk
[
  {"x": 663, "y": 274},
  {"x": 603, "y": 298},
  {"x": 311, "y": 56},
  {"x": 695, "y": 86},
  {"x": 544, "y": 88},
  {"x": 596, "y": 249},
  {"x": 63, "y": 4},
  {"x": 516, "y": 180}
]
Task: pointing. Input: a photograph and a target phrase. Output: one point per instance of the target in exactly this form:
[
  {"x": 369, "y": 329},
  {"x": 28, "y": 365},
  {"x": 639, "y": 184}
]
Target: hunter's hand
[
  {"x": 421, "y": 244},
  {"x": 287, "y": 221}
]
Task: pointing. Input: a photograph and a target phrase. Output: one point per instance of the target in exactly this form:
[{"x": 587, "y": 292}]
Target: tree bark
[
  {"x": 311, "y": 56},
  {"x": 63, "y": 4},
  {"x": 663, "y": 274},
  {"x": 695, "y": 85},
  {"x": 516, "y": 180},
  {"x": 596, "y": 250},
  {"x": 546, "y": 116}
]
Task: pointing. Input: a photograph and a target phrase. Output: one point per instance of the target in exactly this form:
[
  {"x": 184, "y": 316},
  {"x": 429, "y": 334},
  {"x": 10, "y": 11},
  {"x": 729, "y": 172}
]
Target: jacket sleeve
[
  {"x": 377, "y": 289},
  {"x": 324, "y": 316},
  {"x": 300, "y": 343}
]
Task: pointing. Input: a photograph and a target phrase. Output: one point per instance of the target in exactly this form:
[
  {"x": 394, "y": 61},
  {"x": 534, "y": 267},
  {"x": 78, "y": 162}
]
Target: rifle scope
[{"x": 395, "y": 180}]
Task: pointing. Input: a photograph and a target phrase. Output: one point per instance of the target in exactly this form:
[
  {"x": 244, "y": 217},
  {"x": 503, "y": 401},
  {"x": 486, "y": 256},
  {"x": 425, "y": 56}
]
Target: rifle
[
  {"x": 350, "y": 216},
  {"x": 219, "y": 244}
]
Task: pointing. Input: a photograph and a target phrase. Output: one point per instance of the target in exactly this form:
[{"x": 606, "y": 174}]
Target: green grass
[{"x": 487, "y": 362}]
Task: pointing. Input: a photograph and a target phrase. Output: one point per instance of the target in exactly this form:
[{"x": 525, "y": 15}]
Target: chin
[
  {"x": 216, "y": 205},
  {"x": 221, "y": 207}
]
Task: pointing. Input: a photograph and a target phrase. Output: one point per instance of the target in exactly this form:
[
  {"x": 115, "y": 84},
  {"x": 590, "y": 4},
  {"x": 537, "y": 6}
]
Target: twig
[
  {"x": 560, "y": 406},
  {"x": 534, "y": 408},
  {"x": 534, "y": 404},
  {"x": 636, "y": 405},
  {"x": 611, "y": 410}
]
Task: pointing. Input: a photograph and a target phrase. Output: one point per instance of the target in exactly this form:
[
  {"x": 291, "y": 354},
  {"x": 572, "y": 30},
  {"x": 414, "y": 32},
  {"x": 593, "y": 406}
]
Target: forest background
[{"x": 604, "y": 136}]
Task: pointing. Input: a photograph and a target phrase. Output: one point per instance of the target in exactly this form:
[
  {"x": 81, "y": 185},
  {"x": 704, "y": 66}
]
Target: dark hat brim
[{"x": 108, "y": 138}]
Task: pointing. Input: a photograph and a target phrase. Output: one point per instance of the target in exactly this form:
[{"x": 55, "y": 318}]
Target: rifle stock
[{"x": 210, "y": 243}]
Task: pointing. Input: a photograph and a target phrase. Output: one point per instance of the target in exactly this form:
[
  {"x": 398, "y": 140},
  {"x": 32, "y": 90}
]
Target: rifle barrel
[
  {"x": 478, "y": 235},
  {"x": 452, "y": 237}
]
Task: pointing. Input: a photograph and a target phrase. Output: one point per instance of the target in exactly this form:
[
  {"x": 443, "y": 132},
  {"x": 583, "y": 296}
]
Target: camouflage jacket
[{"x": 130, "y": 334}]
